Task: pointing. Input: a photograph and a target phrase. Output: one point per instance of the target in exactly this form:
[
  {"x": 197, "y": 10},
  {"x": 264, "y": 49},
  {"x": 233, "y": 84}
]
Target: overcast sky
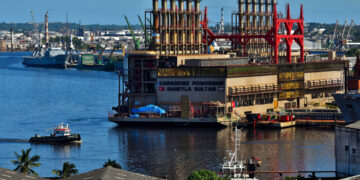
[{"x": 112, "y": 11}]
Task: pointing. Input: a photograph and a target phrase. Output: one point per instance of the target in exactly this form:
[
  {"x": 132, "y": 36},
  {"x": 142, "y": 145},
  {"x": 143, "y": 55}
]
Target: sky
[{"x": 112, "y": 11}]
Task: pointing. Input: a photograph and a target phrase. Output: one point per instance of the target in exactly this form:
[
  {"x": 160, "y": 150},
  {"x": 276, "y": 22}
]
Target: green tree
[
  {"x": 25, "y": 163},
  {"x": 352, "y": 52},
  {"x": 204, "y": 175},
  {"x": 67, "y": 170},
  {"x": 112, "y": 163}
]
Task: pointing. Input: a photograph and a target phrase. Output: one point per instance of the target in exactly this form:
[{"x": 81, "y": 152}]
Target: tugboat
[
  {"x": 238, "y": 170},
  {"x": 61, "y": 135}
]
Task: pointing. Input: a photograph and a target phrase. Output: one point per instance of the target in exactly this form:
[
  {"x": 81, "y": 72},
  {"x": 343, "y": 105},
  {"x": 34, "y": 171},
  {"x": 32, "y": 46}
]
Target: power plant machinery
[{"x": 256, "y": 29}]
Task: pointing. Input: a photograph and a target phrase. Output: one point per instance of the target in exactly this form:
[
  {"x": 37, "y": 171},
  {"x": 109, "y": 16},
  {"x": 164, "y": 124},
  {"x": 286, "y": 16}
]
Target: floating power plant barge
[{"x": 261, "y": 74}]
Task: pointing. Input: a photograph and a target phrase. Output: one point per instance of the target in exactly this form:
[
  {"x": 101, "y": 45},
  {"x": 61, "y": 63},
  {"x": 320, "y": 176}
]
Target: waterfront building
[{"x": 172, "y": 81}]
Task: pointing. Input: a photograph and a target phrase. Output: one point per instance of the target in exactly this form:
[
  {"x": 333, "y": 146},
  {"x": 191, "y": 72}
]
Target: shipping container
[{"x": 87, "y": 59}]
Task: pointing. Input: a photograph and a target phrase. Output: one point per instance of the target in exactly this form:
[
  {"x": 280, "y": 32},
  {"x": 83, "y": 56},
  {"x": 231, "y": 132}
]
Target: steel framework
[{"x": 273, "y": 37}]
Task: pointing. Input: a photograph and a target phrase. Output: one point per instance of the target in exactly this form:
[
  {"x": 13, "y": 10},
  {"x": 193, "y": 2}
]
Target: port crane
[
  {"x": 351, "y": 26},
  {"x": 341, "y": 41},
  {"x": 99, "y": 57},
  {"x": 36, "y": 33},
  {"x": 144, "y": 29},
  {"x": 136, "y": 40},
  {"x": 343, "y": 31},
  {"x": 336, "y": 25}
]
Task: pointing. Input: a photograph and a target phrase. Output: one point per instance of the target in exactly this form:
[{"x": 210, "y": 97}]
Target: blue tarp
[
  {"x": 134, "y": 116},
  {"x": 148, "y": 109}
]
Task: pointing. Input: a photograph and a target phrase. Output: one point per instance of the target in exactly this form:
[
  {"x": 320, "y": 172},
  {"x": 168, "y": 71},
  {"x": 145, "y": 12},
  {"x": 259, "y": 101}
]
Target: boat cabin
[{"x": 62, "y": 130}]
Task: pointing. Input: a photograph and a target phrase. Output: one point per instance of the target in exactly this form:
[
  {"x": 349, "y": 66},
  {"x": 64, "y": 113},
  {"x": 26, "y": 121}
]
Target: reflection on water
[
  {"x": 176, "y": 152},
  {"x": 62, "y": 151}
]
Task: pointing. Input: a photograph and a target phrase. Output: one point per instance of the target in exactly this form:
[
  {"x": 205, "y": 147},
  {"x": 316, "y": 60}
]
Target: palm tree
[
  {"x": 112, "y": 163},
  {"x": 67, "y": 170},
  {"x": 24, "y": 162}
]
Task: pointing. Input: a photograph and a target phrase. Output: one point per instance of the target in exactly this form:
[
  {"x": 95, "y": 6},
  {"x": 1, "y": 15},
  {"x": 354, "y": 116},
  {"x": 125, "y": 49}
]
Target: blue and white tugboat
[{"x": 61, "y": 135}]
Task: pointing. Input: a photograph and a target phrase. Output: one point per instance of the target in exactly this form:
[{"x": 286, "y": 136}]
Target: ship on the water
[
  {"x": 349, "y": 103},
  {"x": 45, "y": 55},
  {"x": 61, "y": 135},
  {"x": 236, "y": 169},
  {"x": 51, "y": 57}
]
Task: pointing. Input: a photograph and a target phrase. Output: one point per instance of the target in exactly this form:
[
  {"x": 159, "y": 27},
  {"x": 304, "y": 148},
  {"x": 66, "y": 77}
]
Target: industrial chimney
[{"x": 47, "y": 37}]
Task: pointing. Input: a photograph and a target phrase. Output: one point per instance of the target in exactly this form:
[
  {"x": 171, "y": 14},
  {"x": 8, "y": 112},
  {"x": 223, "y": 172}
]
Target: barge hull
[
  {"x": 63, "y": 139},
  {"x": 165, "y": 122}
]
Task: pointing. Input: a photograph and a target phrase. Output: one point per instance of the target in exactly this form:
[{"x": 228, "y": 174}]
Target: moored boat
[
  {"x": 236, "y": 169},
  {"x": 61, "y": 135},
  {"x": 52, "y": 57}
]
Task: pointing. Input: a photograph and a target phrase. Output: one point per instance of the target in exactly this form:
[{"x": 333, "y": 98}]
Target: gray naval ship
[{"x": 50, "y": 57}]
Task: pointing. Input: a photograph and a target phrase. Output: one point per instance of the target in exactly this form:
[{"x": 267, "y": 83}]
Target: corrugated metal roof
[
  {"x": 355, "y": 125},
  {"x": 13, "y": 175},
  {"x": 110, "y": 173}
]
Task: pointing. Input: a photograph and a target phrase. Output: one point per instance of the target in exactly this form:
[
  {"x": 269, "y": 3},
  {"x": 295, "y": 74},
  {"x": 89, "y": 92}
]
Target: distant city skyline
[{"x": 112, "y": 11}]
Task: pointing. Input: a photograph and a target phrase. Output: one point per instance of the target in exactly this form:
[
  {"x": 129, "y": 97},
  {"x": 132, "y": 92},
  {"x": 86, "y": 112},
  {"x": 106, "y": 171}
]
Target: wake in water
[{"x": 14, "y": 140}]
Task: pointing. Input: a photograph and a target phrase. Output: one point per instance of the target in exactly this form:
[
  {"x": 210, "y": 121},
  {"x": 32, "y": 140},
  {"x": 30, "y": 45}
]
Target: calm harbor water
[{"x": 35, "y": 99}]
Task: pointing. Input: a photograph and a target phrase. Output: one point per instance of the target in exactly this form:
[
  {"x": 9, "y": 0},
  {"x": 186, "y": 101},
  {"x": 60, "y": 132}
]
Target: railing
[{"x": 312, "y": 173}]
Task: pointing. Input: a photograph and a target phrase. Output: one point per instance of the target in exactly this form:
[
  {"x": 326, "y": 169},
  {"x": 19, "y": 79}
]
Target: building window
[
  {"x": 346, "y": 148},
  {"x": 353, "y": 150}
]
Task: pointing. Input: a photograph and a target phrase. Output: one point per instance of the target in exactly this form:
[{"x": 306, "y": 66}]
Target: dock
[{"x": 295, "y": 123}]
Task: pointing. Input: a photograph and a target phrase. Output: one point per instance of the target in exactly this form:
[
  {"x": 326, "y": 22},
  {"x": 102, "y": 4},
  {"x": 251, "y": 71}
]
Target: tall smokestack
[
  {"x": 248, "y": 12},
  {"x": 165, "y": 37},
  {"x": 156, "y": 32},
  {"x": 189, "y": 21},
  {"x": 189, "y": 5},
  {"x": 173, "y": 22},
  {"x": 268, "y": 12},
  {"x": 181, "y": 20},
  {"x": 164, "y": 5},
  {"x": 12, "y": 39},
  {"x": 197, "y": 22},
  {"x": 47, "y": 29},
  {"x": 261, "y": 12},
  {"x": 241, "y": 15},
  {"x": 254, "y": 11}
]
